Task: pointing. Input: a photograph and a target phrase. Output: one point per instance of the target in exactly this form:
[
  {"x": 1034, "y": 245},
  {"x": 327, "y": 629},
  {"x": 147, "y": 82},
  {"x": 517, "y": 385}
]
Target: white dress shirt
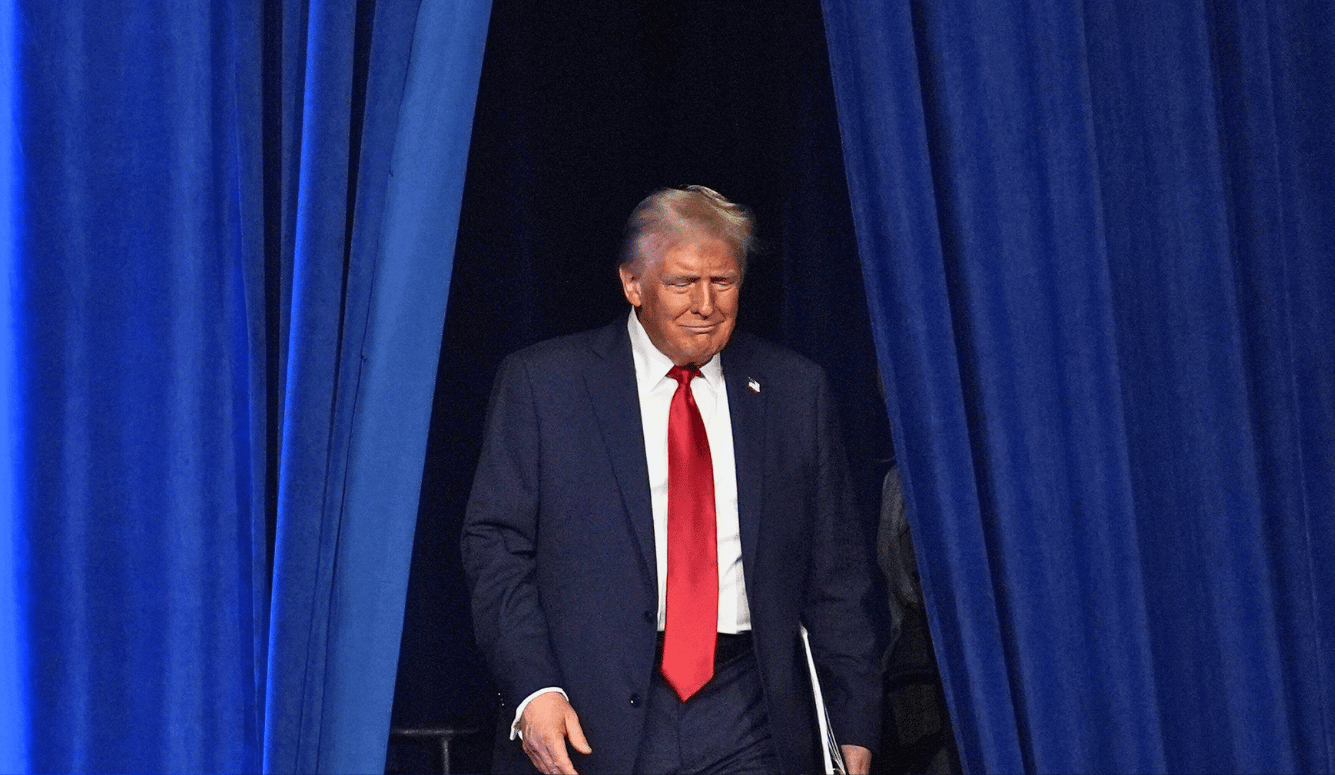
[{"x": 655, "y": 390}]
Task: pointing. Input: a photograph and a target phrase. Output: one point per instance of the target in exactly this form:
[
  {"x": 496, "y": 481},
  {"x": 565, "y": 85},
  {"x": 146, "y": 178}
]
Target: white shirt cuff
[{"x": 514, "y": 725}]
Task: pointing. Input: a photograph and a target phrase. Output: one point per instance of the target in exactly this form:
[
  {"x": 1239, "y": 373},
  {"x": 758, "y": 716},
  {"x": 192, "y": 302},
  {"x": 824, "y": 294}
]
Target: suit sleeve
[
  {"x": 500, "y": 541},
  {"x": 837, "y": 607}
]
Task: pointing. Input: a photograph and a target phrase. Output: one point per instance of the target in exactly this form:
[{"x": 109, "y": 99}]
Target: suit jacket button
[
  {"x": 649, "y": 617},
  {"x": 635, "y": 700}
]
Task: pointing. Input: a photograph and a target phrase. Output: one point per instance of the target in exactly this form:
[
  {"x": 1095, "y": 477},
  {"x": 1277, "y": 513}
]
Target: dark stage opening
[{"x": 584, "y": 108}]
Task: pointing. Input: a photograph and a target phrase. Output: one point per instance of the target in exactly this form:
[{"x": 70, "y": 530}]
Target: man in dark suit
[{"x": 658, "y": 506}]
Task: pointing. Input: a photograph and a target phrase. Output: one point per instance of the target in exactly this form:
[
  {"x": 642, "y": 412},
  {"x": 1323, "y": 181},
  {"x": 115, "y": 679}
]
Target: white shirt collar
[{"x": 651, "y": 365}]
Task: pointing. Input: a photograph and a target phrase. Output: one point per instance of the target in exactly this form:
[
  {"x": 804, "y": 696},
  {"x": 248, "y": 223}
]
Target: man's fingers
[
  {"x": 576, "y": 734},
  {"x": 547, "y": 722},
  {"x": 562, "y": 761},
  {"x": 549, "y": 755},
  {"x": 856, "y": 758}
]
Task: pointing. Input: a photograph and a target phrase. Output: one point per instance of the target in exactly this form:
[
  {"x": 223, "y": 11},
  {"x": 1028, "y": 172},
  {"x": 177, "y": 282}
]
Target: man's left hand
[{"x": 857, "y": 759}]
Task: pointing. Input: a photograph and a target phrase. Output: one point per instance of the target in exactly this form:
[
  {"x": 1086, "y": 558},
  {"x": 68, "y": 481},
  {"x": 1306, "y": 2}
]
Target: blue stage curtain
[
  {"x": 229, "y": 228},
  {"x": 1099, "y": 248}
]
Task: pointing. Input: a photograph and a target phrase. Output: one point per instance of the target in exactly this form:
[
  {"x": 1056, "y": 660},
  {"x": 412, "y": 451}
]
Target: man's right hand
[{"x": 544, "y": 726}]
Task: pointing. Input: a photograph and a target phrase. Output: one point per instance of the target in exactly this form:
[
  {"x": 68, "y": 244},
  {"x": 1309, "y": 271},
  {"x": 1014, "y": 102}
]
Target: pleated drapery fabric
[
  {"x": 1099, "y": 247},
  {"x": 230, "y": 232}
]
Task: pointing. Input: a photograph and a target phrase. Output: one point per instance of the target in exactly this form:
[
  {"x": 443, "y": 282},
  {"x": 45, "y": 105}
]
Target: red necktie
[{"x": 692, "y": 545}]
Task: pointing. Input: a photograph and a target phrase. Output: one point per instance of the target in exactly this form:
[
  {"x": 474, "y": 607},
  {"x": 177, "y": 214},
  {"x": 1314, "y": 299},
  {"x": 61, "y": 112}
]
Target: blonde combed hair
[{"x": 671, "y": 216}]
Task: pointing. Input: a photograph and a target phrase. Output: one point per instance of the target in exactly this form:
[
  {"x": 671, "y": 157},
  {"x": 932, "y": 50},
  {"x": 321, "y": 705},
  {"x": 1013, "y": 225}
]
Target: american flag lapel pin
[{"x": 751, "y": 383}]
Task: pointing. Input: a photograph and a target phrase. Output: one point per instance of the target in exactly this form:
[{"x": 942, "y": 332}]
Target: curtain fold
[
  {"x": 13, "y": 643},
  {"x": 1097, "y": 243},
  {"x": 227, "y": 250},
  {"x": 337, "y": 175},
  {"x": 133, "y": 497},
  {"x": 333, "y": 660}
]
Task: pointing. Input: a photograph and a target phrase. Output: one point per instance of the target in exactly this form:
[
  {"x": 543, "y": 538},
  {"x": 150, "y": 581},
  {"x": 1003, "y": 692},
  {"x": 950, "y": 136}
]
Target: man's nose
[{"x": 704, "y": 300}]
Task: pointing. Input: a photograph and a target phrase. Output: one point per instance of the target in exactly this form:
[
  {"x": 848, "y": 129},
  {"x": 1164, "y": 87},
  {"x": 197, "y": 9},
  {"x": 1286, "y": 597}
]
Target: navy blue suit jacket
[{"x": 558, "y": 544}]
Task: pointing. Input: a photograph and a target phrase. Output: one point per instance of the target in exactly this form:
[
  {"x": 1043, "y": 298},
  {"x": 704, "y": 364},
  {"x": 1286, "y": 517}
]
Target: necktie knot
[{"x": 683, "y": 374}]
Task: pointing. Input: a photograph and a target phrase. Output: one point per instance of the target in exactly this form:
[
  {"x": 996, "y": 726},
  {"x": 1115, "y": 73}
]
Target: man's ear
[{"x": 630, "y": 285}]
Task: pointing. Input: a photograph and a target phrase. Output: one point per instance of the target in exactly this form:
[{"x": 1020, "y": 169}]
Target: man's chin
[{"x": 699, "y": 356}]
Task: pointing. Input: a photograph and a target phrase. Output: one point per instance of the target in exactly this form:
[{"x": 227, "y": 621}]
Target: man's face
[{"x": 687, "y": 298}]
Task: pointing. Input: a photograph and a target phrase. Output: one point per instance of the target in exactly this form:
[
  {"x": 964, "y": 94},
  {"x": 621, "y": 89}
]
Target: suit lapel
[
  {"x": 610, "y": 380},
  {"x": 746, "y": 406}
]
